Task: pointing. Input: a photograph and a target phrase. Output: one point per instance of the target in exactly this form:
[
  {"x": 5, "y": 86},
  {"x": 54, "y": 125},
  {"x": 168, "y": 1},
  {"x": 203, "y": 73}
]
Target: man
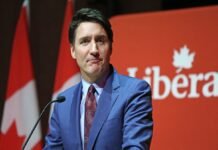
[{"x": 106, "y": 110}]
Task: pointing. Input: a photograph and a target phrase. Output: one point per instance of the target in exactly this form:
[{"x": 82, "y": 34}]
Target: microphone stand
[{"x": 59, "y": 100}]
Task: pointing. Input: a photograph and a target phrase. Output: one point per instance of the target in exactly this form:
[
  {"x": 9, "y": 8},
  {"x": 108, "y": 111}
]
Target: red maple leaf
[{"x": 11, "y": 140}]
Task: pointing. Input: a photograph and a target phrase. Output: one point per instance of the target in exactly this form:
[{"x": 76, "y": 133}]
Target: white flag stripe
[{"x": 22, "y": 108}]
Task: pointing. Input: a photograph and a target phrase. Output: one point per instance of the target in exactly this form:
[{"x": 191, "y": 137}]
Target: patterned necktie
[{"x": 90, "y": 108}]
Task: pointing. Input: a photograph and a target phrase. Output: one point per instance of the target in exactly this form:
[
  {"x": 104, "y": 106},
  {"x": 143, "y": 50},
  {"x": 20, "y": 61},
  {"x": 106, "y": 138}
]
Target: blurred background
[{"x": 46, "y": 19}]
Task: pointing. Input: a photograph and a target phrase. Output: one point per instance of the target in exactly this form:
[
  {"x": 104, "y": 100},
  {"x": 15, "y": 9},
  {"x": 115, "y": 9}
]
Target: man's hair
[{"x": 89, "y": 15}]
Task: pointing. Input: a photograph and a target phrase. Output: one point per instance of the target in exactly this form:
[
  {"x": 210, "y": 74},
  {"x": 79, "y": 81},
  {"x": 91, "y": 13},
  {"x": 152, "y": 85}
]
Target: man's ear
[{"x": 72, "y": 51}]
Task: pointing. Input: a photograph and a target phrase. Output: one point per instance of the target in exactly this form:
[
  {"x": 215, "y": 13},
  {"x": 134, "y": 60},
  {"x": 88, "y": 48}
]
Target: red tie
[{"x": 90, "y": 108}]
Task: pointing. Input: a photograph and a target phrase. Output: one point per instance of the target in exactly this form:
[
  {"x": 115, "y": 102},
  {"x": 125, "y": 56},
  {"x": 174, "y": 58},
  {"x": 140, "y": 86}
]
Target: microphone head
[{"x": 61, "y": 99}]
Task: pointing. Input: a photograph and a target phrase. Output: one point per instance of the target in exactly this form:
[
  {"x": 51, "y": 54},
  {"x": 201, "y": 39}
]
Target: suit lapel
[
  {"x": 75, "y": 113},
  {"x": 106, "y": 101}
]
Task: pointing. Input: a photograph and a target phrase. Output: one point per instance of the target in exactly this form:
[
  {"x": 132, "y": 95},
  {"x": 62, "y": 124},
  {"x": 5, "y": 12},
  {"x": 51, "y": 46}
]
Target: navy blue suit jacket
[{"x": 123, "y": 119}]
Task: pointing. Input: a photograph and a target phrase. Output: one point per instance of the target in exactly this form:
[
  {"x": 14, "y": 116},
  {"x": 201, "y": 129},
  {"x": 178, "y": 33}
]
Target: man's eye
[
  {"x": 101, "y": 41},
  {"x": 84, "y": 42}
]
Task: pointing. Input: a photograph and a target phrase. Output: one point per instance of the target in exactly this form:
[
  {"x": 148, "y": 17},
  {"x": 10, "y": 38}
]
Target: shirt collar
[{"x": 86, "y": 86}]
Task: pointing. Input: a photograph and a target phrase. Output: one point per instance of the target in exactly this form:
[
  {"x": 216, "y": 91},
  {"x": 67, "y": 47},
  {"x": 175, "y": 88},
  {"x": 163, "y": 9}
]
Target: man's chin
[
  {"x": 94, "y": 69},
  {"x": 95, "y": 72}
]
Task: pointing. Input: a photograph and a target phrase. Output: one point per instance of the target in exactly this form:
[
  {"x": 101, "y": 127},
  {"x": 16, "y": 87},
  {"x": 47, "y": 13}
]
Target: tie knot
[{"x": 91, "y": 89}]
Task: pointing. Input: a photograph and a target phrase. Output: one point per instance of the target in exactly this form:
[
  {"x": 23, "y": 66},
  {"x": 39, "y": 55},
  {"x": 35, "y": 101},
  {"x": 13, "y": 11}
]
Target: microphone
[{"x": 60, "y": 99}]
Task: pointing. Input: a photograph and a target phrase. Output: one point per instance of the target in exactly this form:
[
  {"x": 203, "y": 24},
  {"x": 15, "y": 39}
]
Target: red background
[{"x": 148, "y": 40}]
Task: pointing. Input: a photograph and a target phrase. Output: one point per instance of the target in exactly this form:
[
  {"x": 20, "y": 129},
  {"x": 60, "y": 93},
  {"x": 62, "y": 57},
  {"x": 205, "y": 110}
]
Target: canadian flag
[
  {"x": 67, "y": 73},
  {"x": 20, "y": 107}
]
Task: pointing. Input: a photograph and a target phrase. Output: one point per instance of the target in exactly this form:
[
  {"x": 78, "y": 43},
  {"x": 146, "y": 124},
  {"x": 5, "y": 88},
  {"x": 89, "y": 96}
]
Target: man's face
[{"x": 92, "y": 50}]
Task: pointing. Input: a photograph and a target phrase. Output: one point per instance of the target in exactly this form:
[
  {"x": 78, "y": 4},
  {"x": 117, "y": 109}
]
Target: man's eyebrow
[
  {"x": 84, "y": 38},
  {"x": 103, "y": 36}
]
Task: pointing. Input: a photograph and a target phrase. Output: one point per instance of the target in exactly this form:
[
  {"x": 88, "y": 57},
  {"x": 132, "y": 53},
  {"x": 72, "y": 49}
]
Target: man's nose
[{"x": 94, "y": 48}]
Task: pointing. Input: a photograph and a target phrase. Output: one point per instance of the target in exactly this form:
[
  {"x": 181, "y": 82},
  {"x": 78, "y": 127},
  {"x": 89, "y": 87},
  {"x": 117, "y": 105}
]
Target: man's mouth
[{"x": 94, "y": 60}]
